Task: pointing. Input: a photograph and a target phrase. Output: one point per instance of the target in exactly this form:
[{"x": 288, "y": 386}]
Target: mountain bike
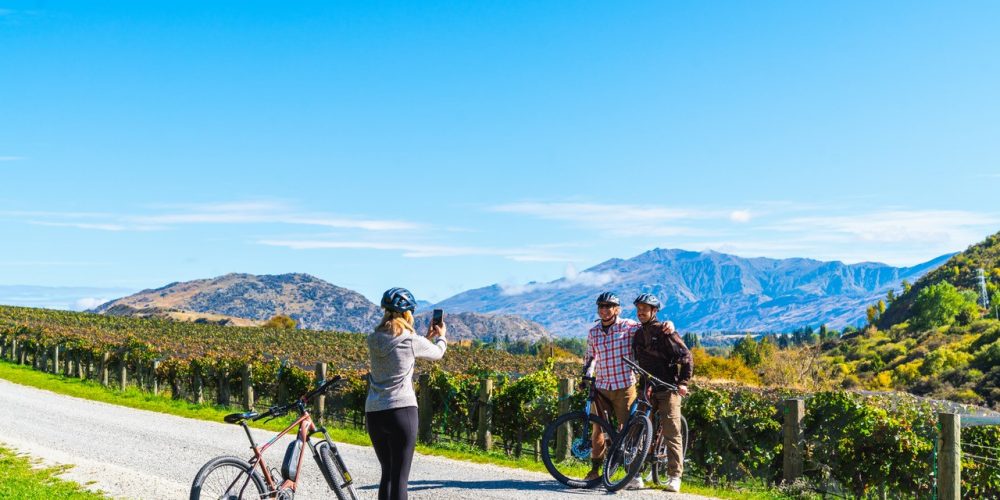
[
  {"x": 232, "y": 478},
  {"x": 630, "y": 452},
  {"x": 566, "y": 443}
]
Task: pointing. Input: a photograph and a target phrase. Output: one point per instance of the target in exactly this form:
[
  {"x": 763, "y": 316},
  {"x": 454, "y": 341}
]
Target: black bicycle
[
  {"x": 566, "y": 442},
  {"x": 630, "y": 452}
]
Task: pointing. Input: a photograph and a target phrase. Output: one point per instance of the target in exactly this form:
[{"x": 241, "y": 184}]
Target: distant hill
[
  {"x": 249, "y": 300},
  {"x": 313, "y": 303},
  {"x": 703, "y": 291}
]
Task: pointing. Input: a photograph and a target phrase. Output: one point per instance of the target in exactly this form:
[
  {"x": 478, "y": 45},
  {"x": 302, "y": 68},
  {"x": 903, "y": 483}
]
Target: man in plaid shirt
[{"x": 607, "y": 343}]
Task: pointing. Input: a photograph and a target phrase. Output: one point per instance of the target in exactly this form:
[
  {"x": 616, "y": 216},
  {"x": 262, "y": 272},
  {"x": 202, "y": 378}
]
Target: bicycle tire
[
  {"x": 572, "y": 469},
  {"x": 202, "y": 479},
  {"x": 659, "y": 469},
  {"x": 331, "y": 470},
  {"x": 627, "y": 456}
]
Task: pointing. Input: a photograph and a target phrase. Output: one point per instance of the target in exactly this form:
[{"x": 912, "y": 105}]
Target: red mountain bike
[{"x": 233, "y": 478}]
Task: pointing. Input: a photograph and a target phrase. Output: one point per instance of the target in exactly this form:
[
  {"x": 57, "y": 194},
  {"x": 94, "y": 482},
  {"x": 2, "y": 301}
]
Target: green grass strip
[
  {"x": 135, "y": 398},
  {"x": 23, "y": 481}
]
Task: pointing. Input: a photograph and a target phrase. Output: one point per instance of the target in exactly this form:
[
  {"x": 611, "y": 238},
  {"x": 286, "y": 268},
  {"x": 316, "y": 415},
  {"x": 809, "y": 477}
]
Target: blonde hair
[{"x": 397, "y": 323}]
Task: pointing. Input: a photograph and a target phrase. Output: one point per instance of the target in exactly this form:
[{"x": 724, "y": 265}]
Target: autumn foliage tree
[{"x": 281, "y": 322}]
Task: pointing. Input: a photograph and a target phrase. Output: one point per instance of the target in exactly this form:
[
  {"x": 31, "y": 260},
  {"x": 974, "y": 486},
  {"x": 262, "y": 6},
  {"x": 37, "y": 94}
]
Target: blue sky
[{"x": 445, "y": 146}]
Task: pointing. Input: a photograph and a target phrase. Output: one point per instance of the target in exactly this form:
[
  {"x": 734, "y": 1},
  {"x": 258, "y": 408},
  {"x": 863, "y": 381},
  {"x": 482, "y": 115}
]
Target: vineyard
[{"x": 854, "y": 444}]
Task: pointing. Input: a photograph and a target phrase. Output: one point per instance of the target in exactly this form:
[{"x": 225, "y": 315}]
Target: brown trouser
[
  {"x": 621, "y": 400},
  {"x": 667, "y": 405}
]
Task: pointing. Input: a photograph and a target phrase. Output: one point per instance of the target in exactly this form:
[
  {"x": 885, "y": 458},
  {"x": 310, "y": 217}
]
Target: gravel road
[{"x": 132, "y": 453}]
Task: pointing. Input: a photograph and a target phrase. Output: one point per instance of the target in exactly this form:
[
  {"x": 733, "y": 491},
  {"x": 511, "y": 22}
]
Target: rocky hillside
[
  {"x": 312, "y": 302},
  {"x": 704, "y": 291},
  {"x": 249, "y": 300},
  {"x": 487, "y": 327}
]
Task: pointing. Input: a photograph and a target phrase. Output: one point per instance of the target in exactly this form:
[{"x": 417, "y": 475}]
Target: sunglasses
[{"x": 606, "y": 306}]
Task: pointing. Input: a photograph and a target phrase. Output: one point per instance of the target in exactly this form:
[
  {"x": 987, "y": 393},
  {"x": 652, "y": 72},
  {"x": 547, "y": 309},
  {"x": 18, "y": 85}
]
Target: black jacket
[{"x": 664, "y": 356}]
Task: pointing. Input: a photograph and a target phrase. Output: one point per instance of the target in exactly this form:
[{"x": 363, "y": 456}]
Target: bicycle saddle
[{"x": 235, "y": 418}]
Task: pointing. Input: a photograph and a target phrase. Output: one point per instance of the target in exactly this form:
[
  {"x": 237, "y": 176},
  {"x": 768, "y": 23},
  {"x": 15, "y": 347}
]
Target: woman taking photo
[{"x": 391, "y": 407}]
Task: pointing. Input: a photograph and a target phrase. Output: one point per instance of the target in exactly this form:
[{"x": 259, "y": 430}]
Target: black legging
[{"x": 394, "y": 435}]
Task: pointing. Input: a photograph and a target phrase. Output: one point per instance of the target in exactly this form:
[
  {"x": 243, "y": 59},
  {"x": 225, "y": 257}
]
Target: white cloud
[
  {"x": 250, "y": 212},
  {"x": 81, "y": 225},
  {"x": 89, "y": 303},
  {"x": 418, "y": 250},
  {"x": 572, "y": 278},
  {"x": 895, "y": 226},
  {"x": 740, "y": 216}
]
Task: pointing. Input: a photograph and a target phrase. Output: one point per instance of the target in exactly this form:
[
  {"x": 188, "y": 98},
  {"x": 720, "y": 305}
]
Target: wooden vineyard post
[
  {"x": 949, "y": 464},
  {"x": 484, "y": 438},
  {"x": 793, "y": 439},
  {"x": 123, "y": 373},
  {"x": 105, "y": 359},
  {"x": 155, "y": 380},
  {"x": 425, "y": 431},
  {"x": 247, "y": 387},
  {"x": 564, "y": 435},
  {"x": 198, "y": 385},
  {"x": 224, "y": 390},
  {"x": 319, "y": 408}
]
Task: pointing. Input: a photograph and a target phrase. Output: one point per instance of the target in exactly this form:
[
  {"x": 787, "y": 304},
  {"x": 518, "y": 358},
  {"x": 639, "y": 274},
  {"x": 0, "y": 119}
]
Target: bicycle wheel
[
  {"x": 566, "y": 447},
  {"x": 625, "y": 459},
  {"x": 659, "y": 471},
  {"x": 228, "y": 478},
  {"x": 334, "y": 476}
]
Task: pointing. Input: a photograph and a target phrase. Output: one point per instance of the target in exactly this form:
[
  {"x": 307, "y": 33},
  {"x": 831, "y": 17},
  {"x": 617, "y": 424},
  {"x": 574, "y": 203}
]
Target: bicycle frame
[{"x": 306, "y": 429}]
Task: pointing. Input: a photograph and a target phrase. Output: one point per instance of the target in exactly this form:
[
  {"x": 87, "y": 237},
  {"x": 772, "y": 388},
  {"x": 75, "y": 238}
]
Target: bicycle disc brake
[{"x": 581, "y": 448}]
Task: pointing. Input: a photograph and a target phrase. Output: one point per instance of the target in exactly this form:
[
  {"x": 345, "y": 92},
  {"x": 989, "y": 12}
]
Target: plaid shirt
[{"x": 607, "y": 349}]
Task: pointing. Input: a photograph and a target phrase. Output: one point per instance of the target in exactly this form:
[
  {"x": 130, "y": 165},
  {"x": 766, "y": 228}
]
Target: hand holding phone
[{"x": 436, "y": 328}]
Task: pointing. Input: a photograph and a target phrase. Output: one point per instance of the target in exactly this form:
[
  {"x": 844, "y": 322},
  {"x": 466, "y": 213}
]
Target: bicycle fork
[{"x": 348, "y": 480}]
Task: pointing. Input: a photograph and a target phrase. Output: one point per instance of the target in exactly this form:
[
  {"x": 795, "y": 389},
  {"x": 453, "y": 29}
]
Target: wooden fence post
[
  {"x": 156, "y": 380},
  {"x": 223, "y": 398},
  {"x": 484, "y": 438},
  {"x": 319, "y": 407},
  {"x": 105, "y": 360},
  {"x": 564, "y": 435},
  {"x": 123, "y": 373},
  {"x": 55, "y": 359},
  {"x": 949, "y": 476},
  {"x": 42, "y": 362},
  {"x": 793, "y": 439},
  {"x": 198, "y": 386},
  {"x": 248, "y": 387},
  {"x": 425, "y": 431}
]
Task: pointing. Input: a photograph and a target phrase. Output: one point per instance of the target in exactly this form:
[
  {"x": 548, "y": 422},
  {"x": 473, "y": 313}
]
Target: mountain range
[{"x": 703, "y": 291}]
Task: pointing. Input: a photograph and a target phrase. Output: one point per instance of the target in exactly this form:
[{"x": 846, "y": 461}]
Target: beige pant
[
  {"x": 668, "y": 406},
  {"x": 621, "y": 401}
]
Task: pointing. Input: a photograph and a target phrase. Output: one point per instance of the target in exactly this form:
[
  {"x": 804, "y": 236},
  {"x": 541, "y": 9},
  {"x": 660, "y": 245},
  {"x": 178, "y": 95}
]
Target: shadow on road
[{"x": 500, "y": 484}]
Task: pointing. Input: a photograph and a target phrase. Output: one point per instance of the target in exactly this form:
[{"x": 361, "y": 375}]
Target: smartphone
[{"x": 437, "y": 318}]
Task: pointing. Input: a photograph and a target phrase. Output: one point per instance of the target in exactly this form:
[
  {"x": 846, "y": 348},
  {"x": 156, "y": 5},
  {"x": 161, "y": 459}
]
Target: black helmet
[
  {"x": 608, "y": 298},
  {"x": 648, "y": 299},
  {"x": 398, "y": 300}
]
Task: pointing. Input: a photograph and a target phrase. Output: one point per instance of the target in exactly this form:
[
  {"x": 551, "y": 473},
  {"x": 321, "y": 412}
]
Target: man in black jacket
[{"x": 665, "y": 356}]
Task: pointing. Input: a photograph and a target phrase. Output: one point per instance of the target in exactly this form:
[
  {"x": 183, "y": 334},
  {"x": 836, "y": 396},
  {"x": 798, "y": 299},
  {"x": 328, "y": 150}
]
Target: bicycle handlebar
[
  {"x": 277, "y": 411},
  {"x": 650, "y": 376}
]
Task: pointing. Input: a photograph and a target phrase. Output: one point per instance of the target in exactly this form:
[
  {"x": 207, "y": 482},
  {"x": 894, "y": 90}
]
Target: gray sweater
[{"x": 392, "y": 359}]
